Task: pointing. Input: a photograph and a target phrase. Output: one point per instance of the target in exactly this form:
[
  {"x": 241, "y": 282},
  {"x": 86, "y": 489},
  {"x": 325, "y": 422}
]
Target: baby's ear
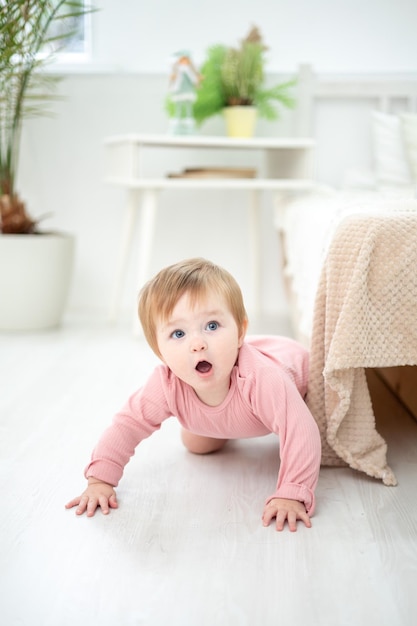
[{"x": 243, "y": 330}]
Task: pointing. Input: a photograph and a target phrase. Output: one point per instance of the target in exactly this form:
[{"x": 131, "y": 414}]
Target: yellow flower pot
[{"x": 240, "y": 121}]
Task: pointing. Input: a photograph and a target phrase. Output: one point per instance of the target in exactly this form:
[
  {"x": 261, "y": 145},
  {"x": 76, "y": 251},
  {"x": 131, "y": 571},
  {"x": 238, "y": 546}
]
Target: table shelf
[{"x": 261, "y": 184}]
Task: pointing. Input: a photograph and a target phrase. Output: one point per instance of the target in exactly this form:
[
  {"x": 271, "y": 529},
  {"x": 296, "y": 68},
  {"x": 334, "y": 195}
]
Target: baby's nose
[{"x": 198, "y": 344}]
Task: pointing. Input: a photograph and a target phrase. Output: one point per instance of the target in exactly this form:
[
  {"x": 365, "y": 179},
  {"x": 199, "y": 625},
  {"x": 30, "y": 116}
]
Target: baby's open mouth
[{"x": 203, "y": 367}]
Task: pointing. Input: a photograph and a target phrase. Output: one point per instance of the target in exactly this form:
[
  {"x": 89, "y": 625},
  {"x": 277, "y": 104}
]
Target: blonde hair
[{"x": 196, "y": 277}]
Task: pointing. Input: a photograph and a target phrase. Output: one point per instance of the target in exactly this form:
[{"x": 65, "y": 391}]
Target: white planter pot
[{"x": 35, "y": 275}]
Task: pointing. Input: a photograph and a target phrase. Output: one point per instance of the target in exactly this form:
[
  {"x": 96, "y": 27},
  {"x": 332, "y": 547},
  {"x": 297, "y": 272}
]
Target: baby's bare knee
[{"x": 197, "y": 444}]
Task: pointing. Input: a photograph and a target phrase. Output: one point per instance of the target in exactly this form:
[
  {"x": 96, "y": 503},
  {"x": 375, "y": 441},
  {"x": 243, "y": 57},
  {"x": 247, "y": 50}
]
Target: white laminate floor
[{"x": 186, "y": 547}]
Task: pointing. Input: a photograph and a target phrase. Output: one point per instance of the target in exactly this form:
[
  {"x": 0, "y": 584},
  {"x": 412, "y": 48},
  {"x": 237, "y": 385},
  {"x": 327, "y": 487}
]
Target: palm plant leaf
[{"x": 25, "y": 91}]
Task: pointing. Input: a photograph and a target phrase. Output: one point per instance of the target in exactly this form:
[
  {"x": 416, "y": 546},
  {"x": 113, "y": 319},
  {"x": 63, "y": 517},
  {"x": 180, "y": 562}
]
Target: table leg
[
  {"x": 146, "y": 237},
  {"x": 255, "y": 250},
  {"x": 125, "y": 249}
]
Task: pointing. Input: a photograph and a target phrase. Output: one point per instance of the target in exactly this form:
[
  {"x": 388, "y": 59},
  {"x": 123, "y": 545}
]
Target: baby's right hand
[{"x": 97, "y": 494}]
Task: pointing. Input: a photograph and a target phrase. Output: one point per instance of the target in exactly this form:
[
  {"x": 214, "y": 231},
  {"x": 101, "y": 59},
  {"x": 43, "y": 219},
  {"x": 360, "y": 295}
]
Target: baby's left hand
[{"x": 283, "y": 509}]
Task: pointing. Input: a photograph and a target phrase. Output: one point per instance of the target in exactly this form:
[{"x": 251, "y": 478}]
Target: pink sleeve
[
  {"x": 282, "y": 408},
  {"x": 144, "y": 412}
]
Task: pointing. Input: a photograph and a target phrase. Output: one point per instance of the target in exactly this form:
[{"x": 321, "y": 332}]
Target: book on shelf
[{"x": 215, "y": 172}]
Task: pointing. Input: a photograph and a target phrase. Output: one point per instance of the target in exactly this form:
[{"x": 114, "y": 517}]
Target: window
[{"x": 75, "y": 48}]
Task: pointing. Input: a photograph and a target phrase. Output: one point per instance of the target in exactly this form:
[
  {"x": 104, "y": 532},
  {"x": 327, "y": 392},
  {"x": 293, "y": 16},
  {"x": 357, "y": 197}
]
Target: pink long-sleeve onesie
[{"x": 267, "y": 387}]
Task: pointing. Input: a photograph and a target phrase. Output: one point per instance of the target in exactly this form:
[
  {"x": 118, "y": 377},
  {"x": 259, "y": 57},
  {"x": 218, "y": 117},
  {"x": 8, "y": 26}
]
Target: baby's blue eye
[
  {"x": 212, "y": 326},
  {"x": 178, "y": 334}
]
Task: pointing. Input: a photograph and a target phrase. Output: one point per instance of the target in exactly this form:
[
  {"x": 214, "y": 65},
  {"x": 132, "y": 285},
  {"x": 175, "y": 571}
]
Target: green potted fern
[
  {"x": 233, "y": 83},
  {"x": 35, "y": 266}
]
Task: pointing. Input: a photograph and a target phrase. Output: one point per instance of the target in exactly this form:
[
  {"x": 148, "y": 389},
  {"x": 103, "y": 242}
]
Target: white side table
[{"x": 289, "y": 167}]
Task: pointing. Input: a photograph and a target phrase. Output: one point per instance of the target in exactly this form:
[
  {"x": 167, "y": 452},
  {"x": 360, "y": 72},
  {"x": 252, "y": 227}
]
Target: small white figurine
[{"x": 183, "y": 83}]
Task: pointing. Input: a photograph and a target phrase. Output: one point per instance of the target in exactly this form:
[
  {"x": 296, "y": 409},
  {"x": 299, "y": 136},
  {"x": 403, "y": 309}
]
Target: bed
[{"x": 350, "y": 270}]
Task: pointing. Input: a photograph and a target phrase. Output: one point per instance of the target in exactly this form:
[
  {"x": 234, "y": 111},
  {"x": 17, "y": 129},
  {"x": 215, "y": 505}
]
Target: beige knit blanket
[{"x": 365, "y": 316}]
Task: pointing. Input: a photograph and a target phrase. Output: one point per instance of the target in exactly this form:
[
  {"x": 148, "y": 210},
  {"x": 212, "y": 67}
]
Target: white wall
[
  {"x": 123, "y": 89},
  {"x": 332, "y": 35}
]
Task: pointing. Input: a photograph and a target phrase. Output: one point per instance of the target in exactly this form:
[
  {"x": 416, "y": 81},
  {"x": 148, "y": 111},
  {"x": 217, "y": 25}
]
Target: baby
[{"x": 218, "y": 384}]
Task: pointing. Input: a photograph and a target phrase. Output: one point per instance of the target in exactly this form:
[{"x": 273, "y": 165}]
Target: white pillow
[
  {"x": 391, "y": 165},
  {"x": 409, "y": 128}
]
